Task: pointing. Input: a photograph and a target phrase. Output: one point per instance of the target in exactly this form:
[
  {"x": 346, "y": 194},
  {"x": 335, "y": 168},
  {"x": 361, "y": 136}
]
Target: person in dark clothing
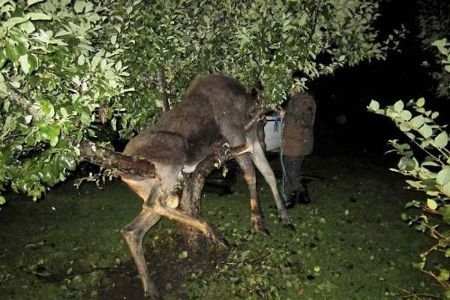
[{"x": 297, "y": 142}]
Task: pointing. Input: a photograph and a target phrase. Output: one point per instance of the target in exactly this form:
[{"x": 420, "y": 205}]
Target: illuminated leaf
[
  {"x": 420, "y": 102},
  {"x": 399, "y": 106},
  {"x": 425, "y": 131},
  {"x": 443, "y": 177},
  {"x": 441, "y": 140},
  {"x": 24, "y": 64},
  {"x": 432, "y": 204},
  {"x": 38, "y": 16}
]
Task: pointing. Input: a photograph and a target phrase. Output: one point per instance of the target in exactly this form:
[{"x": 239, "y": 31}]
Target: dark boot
[
  {"x": 291, "y": 201},
  {"x": 303, "y": 197}
]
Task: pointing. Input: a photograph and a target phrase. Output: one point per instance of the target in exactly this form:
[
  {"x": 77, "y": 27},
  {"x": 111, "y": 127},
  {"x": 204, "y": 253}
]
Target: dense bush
[
  {"x": 53, "y": 80},
  {"x": 433, "y": 22},
  {"x": 430, "y": 174}
]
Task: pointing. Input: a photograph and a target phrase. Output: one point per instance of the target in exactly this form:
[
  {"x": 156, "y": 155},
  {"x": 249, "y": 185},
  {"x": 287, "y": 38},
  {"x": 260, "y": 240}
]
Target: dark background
[{"x": 401, "y": 77}]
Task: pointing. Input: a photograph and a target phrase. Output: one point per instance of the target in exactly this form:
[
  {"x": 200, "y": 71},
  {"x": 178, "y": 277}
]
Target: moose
[{"x": 215, "y": 109}]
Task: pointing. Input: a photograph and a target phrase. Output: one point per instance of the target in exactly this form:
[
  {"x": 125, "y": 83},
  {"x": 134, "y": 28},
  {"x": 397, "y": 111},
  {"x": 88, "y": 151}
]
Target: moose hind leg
[
  {"x": 197, "y": 223},
  {"x": 248, "y": 169},
  {"x": 260, "y": 161},
  {"x": 134, "y": 234}
]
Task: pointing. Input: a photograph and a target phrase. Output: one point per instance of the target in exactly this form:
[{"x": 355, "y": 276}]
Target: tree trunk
[
  {"x": 162, "y": 82},
  {"x": 190, "y": 204},
  {"x": 193, "y": 187}
]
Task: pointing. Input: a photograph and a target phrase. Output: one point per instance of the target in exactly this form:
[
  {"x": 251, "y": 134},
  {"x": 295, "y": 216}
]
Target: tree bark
[
  {"x": 120, "y": 163},
  {"x": 193, "y": 187},
  {"x": 162, "y": 82}
]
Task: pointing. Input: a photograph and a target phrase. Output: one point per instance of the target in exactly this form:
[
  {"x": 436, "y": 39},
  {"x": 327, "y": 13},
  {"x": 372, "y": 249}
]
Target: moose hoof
[
  {"x": 217, "y": 239},
  {"x": 259, "y": 227},
  {"x": 264, "y": 231},
  {"x": 221, "y": 242},
  {"x": 285, "y": 220},
  {"x": 152, "y": 295},
  {"x": 290, "y": 226}
]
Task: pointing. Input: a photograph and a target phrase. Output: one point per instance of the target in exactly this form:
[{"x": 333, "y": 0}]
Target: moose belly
[
  {"x": 141, "y": 187},
  {"x": 189, "y": 168}
]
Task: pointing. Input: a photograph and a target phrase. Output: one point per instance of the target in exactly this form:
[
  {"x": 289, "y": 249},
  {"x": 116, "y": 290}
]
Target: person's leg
[
  {"x": 301, "y": 194},
  {"x": 292, "y": 184}
]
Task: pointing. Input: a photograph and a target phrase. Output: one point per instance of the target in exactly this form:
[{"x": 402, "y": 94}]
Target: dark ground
[{"x": 350, "y": 242}]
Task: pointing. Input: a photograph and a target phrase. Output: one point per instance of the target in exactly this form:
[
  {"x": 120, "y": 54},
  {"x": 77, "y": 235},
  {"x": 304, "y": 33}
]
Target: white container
[{"x": 273, "y": 132}]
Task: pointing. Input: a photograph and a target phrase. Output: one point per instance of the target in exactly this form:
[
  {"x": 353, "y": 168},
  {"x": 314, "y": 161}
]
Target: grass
[{"x": 349, "y": 243}]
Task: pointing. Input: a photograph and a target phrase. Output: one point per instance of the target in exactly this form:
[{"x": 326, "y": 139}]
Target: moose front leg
[
  {"x": 261, "y": 163},
  {"x": 185, "y": 219},
  {"x": 134, "y": 234},
  {"x": 257, "y": 221}
]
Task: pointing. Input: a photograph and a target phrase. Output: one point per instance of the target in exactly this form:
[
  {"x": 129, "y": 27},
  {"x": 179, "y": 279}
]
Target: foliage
[
  {"x": 71, "y": 69},
  {"x": 254, "y": 41},
  {"x": 433, "y": 20},
  {"x": 53, "y": 81},
  {"x": 430, "y": 174},
  {"x": 443, "y": 77}
]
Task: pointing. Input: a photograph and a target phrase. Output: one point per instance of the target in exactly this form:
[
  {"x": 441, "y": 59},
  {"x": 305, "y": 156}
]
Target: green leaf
[
  {"x": 10, "y": 23},
  {"x": 420, "y": 265},
  {"x": 446, "y": 189},
  {"x": 183, "y": 255},
  {"x": 39, "y": 16},
  {"x": 21, "y": 48},
  {"x": 51, "y": 133},
  {"x": 33, "y": 62},
  {"x": 79, "y": 6},
  {"x": 420, "y": 102},
  {"x": 406, "y": 115},
  {"x": 444, "y": 275},
  {"x": 425, "y": 131},
  {"x": 28, "y": 27},
  {"x": 441, "y": 45},
  {"x": 374, "y": 105},
  {"x": 3, "y": 58},
  {"x": 85, "y": 118},
  {"x": 445, "y": 212},
  {"x": 11, "y": 52},
  {"x": 31, "y": 2},
  {"x": 417, "y": 121},
  {"x": 431, "y": 203},
  {"x": 96, "y": 60},
  {"x": 441, "y": 140},
  {"x": 443, "y": 177},
  {"x": 47, "y": 109},
  {"x": 399, "y": 106},
  {"x": 2, "y": 200},
  {"x": 54, "y": 140},
  {"x": 81, "y": 60},
  {"x": 114, "y": 39},
  {"x": 24, "y": 64}
]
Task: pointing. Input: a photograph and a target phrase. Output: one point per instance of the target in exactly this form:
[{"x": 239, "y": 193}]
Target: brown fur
[{"x": 215, "y": 108}]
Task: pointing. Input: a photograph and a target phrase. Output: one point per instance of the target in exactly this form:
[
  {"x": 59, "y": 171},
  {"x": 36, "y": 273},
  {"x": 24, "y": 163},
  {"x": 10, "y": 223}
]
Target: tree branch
[
  {"x": 109, "y": 159},
  {"x": 162, "y": 82}
]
